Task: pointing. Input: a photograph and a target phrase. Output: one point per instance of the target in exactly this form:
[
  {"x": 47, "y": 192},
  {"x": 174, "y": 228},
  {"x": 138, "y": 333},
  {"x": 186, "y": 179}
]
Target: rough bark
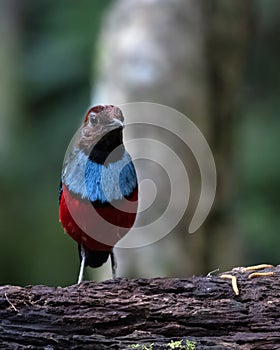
[{"x": 121, "y": 314}]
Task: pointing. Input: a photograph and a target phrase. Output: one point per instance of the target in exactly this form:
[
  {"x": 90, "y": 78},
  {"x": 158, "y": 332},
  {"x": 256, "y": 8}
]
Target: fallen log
[{"x": 161, "y": 313}]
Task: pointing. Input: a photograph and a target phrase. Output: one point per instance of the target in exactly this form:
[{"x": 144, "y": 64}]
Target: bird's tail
[{"x": 94, "y": 258}]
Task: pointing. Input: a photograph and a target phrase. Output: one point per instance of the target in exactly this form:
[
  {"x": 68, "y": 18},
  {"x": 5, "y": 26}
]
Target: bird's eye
[{"x": 92, "y": 118}]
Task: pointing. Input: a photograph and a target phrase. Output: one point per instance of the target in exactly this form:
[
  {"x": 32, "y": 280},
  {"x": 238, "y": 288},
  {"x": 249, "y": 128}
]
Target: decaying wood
[{"x": 125, "y": 314}]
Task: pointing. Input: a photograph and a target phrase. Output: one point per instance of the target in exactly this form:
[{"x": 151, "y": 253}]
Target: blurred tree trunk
[
  {"x": 189, "y": 55},
  {"x": 9, "y": 59},
  {"x": 230, "y": 26}
]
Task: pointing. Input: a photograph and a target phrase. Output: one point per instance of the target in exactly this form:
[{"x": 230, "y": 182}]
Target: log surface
[{"x": 125, "y": 314}]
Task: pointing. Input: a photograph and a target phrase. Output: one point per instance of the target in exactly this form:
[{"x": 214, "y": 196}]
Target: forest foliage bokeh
[{"x": 46, "y": 51}]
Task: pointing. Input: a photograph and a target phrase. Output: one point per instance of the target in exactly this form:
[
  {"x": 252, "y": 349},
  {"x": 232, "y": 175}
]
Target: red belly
[{"x": 96, "y": 227}]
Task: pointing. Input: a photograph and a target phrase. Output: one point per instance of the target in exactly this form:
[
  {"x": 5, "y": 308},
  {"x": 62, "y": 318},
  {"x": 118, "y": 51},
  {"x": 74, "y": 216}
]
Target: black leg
[{"x": 113, "y": 264}]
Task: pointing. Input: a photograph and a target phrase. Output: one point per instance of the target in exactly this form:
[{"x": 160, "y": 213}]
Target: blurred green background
[{"x": 46, "y": 56}]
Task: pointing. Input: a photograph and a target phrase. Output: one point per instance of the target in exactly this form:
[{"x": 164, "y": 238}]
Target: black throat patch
[{"x": 108, "y": 143}]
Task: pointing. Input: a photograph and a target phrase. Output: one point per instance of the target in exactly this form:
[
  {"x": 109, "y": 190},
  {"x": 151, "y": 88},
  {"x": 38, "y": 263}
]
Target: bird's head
[
  {"x": 105, "y": 117},
  {"x": 101, "y": 131}
]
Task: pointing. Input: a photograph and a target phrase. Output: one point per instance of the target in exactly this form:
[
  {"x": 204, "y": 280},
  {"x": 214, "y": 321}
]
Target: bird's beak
[{"x": 116, "y": 123}]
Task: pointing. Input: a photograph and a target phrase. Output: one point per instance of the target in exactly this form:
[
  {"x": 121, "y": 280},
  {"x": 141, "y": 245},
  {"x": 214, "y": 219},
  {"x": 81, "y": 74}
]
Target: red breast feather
[{"x": 97, "y": 226}]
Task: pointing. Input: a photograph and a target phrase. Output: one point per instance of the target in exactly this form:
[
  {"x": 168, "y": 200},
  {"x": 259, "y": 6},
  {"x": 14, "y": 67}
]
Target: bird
[{"x": 98, "y": 191}]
